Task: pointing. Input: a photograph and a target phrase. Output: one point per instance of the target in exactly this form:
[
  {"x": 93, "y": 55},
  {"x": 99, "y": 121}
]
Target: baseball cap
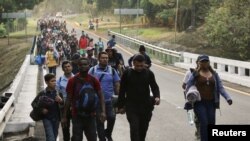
[{"x": 203, "y": 58}]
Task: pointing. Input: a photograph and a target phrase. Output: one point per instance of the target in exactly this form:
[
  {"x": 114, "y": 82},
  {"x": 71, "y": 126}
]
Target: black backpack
[{"x": 86, "y": 99}]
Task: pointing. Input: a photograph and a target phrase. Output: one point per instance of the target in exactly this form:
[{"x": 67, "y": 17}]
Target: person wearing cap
[
  {"x": 210, "y": 87},
  {"x": 91, "y": 59},
  {"x": 134, "y": 95},
  {"x": 142, "y": 50}
]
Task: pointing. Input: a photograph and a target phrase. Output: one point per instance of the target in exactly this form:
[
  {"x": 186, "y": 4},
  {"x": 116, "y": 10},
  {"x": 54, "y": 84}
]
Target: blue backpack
[{"x": 86, "y": 99}]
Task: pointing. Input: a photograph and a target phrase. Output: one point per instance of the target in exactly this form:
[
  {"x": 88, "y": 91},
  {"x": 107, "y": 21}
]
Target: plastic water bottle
[{"x": 190, "y": 117}]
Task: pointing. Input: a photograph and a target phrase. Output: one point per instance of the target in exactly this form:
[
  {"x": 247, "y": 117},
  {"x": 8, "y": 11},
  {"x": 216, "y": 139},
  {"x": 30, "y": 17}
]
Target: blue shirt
[
  {"x": 61, "y": 84},
  {"x": 108, "y": 81}
]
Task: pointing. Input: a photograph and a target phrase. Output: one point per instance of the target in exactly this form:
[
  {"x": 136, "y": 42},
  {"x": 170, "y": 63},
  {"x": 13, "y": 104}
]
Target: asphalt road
[{"x": 169, "y": 121}]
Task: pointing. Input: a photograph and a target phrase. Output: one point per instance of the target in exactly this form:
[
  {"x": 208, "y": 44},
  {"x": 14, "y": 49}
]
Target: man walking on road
[
  {"x": 134, "y": 95},
  {"x": 61, "y": 84},
  {"x": 83, "y": 43},
  {"x": 83, "y": 119},
  {"x": 142, "y": 50},
  {"x": 110, "y": 83}
]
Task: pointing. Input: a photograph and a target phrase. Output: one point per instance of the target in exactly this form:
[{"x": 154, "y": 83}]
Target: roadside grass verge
[{"x": 31, "y": 29}]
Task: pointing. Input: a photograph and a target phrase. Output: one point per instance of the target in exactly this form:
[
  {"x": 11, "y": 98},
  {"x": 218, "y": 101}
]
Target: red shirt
[
  {"x": 73, "y": 90},
  {"x": 83, "y": 42}
]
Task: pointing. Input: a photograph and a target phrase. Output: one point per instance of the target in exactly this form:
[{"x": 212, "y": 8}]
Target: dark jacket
[
  {"x": 53, "y": 109},
  {"x": 135, "y": 90},
  {"x": 219, "y": 89}
]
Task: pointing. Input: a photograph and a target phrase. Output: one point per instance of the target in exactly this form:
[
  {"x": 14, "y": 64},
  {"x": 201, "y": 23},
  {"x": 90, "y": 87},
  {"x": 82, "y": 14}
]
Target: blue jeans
[
  {"x": 111, "y": 116},
  {"x": 205, "y": 111},
  {"x": 51, "y": 128},
  {"x": 86, "y": 124}
]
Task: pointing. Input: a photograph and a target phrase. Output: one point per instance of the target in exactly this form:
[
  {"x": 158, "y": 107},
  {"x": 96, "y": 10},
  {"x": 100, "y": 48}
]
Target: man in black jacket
[
  {"x": 142, "y": 50},
  {"x": 134, "y": 95}
]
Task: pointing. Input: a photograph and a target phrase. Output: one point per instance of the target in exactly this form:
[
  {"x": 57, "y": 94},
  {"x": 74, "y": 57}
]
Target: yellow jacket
[{"x": 51, "y": 61}]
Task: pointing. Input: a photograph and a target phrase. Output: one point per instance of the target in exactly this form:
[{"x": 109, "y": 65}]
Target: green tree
[
  {"x": 150, "y": 10},
  {"x": 103, "y": 5},
  {"x": 228, "y": 27}
]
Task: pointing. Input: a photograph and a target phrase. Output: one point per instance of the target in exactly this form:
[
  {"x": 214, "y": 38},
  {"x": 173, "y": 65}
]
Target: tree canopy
[{"x": 228, "y": 27}]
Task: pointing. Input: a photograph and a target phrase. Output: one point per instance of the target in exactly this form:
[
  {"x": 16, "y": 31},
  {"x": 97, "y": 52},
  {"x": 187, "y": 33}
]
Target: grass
[
  {"x": 161, "y": 36},
  {"x": 31, "y": 29},
  {"x": 81, "y": 18},
  {"x": 13, "y": 54},
  {"x": 11, "y": 58}
]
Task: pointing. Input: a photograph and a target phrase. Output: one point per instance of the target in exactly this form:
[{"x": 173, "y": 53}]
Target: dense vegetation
[
  {"x": 225, "y": 24},
  {"x": 9, "y": 6}
]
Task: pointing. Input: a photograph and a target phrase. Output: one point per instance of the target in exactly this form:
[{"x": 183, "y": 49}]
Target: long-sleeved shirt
[
  {"x": 147, "y": 60},
  {"x": 61, "y": 85},
  {"x": 218, "y": 87},
  {"x": 135, "y": 89}
]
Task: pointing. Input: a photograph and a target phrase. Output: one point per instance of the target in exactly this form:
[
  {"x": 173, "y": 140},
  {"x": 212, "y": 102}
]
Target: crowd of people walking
[{"x": 96, "y": 85}]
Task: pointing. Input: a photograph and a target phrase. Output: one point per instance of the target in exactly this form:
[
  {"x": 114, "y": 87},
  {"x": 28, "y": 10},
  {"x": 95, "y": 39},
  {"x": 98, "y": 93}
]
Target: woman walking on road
[{"x": 210, "y": 88}]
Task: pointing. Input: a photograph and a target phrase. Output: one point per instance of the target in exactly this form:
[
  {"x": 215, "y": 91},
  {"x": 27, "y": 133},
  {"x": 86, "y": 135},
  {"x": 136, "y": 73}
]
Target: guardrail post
[
  {"x": 231, "y": 69},
  {"x": 241, "y": 71},
  {"x": 221, "y": 67},
  {"x": 170, "y": 59},
  {"x": 166, "y": 58}
]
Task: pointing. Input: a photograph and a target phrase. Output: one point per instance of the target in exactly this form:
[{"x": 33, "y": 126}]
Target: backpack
[{"x": 86, "y": 99}]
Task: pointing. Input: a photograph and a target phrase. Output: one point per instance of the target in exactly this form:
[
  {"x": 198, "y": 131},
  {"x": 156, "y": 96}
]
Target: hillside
[{"x": 11, "y": 59}]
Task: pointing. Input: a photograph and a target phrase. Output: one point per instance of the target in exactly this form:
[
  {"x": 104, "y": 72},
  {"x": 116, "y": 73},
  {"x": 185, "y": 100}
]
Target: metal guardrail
[{"x": 166, "y": 55}]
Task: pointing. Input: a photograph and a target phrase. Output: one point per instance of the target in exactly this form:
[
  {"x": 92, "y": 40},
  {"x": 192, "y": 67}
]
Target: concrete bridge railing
[{"x": 230, "y": 70}]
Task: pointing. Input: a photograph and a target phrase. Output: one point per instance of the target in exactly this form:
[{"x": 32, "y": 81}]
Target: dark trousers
[
  {"x": 52, "y": 70},
  {"x": 66, "y": 130},
  {"x": 138, "y": 122},
  {"x": 111, "y": 116},
  {"x": 86, "y": 125},
  {"x": 205, "y": 111}
]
